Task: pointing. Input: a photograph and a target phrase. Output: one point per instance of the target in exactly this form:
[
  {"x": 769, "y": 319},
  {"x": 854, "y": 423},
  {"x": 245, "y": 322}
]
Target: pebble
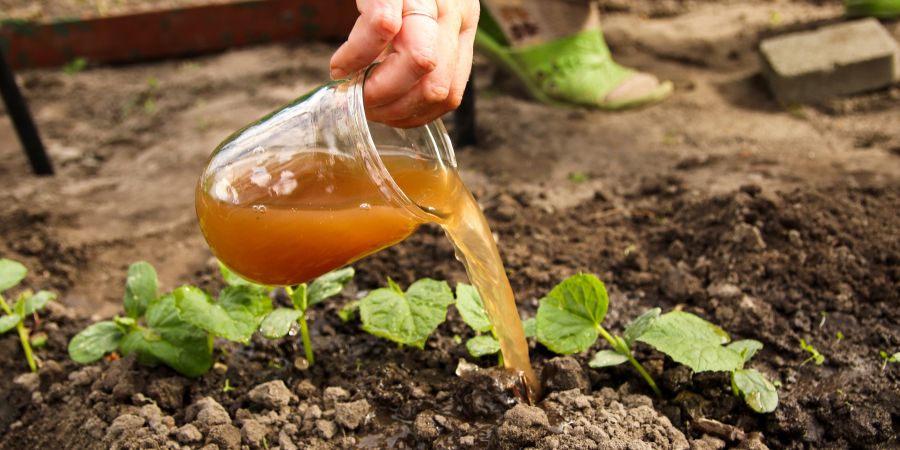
[
  {"x": 272, "y": 395},
  {"x": 353, "y": 414},
  {"x": 188, "y": 434},
  {"x": 326, "y": 428}
]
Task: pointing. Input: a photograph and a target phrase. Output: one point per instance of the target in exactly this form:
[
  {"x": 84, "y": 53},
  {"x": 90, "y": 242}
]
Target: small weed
[
  {"x": 886, "y": 358},
  {"x": 27, "y": 304},
  {"x": 814, "y": 354},
  {"x": 227, "y": 387},
  {"x": 74, "y": 66}
]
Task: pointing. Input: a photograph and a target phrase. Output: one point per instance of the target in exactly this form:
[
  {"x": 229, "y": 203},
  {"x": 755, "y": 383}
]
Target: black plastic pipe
[{"x": 22, "y": 121}]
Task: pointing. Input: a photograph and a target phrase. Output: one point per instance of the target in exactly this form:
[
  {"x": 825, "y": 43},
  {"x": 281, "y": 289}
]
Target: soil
[{"x": 778, "y": 224}]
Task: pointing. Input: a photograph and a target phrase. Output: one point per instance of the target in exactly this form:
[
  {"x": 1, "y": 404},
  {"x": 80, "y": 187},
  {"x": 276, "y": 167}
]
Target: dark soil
[{"x": 778, "y": 225}]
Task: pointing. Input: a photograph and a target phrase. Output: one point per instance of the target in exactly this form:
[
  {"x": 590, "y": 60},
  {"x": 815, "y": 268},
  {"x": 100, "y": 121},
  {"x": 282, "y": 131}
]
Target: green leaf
[
  {"x": 691, "y": 341},
  {"x": 299, "y": 296},
  {"x": 140, "y": 288},
  {"x": 235, "y": 317},
  {"x": 759, "y": 394},
  {"x": 19, "y": 307},
  {"x": 530, "y": 327},
  {"x": 406, "y": 318},
  {"x": 482, "y": 345},
  {"x": 349, "y": 311},
  {"x": 163, "y": 318},
  {"x": 189, "y": 357},
  {"x": 330, "y": 284},
  {"x": 95, "y": 341},
  {"x": 640, "y": 325},
  {"x": 471, "y": 309},
  {"x": 11, "y": 273},
  {"x": 38, "y": 301},
  {"x": 606, "y": 358},
  {"x": 568, "y": 317},
  {"x": 9, "y": 322},
  {"x": 38, "y": 340},
  {"x": 814, "y": 354},
  {"x": 278, "y": 323},
  {"x": 746, "y": 348}
]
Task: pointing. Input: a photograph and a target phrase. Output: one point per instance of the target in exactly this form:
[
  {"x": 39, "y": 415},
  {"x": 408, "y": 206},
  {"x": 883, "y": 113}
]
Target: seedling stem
[
  {"x": 304, "y": 327},
  {"x": 23, "y": 336},
  {"x": 620, "y": 348}
]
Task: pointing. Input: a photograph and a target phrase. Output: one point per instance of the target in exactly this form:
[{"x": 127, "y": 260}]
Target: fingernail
[{"x": 337, "y": 74}]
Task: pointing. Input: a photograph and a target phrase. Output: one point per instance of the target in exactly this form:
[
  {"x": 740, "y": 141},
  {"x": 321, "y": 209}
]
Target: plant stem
[
  {"x": 23, "y": 336},
  {"x": 304, "y": 328},
  {"x": 618, "y": 347}
]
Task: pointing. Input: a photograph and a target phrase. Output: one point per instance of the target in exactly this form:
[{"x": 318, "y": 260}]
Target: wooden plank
[{"x": 175, "y": 32}]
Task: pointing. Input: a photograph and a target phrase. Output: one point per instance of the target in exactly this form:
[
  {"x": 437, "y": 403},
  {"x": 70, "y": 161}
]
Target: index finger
[{"x": 379, "y": 21}]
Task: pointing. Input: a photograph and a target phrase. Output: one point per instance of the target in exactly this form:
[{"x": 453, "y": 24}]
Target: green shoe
[
  {"x": 883, "y": 9},
  {"x": 576, "y": 69}
]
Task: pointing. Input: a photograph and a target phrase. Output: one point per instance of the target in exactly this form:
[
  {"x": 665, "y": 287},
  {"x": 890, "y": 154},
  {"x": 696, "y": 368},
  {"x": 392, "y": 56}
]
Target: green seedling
[
  {"x": 569, "y": 321},
  {"x": 278, "y": 323},
  {"x": 227, "y": 387},
  {"x": 814, "y": 354},
  {"x": 75, "y": 66},
  {"x": 471, "y": 309},
  {"x": 886, "y": 358},
  {"x": 27, "y": 304},
  {"x": 152, "y": 330},
  {"x": 839, "y": 336},
  {"x": 407, "y": 318},
  {"x": 579, "y": 177}
]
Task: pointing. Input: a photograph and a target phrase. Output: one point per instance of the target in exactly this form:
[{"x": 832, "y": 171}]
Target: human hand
[{"x": 425, "y": 49}]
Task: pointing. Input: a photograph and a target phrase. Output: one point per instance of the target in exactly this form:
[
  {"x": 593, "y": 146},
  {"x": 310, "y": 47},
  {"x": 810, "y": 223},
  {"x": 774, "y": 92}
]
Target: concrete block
[{"x": 839, "y": 59}]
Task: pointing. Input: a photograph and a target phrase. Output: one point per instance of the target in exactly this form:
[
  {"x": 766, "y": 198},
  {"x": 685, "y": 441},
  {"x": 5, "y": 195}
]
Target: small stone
[
  {"x": 839, "y": 59},
  {"x": 207, "y": 412},
  {"x": 285, "y": 442},
  {"x": 253, "y": 433},
  {"x": 29, "y": 381},
  {"x": 84, "y": 376},
  {"x": 424, "y": 427},
  {"x": 301, "y": 363},
  {"x": 334, "y": 394},
  {"x": 794, "y": 238},
  {"x": 754, "y": 441},
  {"x": 707, "y": 442},
  {"x": 123, "y": 423},
  {"x": 326, "y": 428},
  {"x": 227, "y": 437},
  {"x": 564, "y": 373},
  {"x": 219, "y": 368},
  {"x": 312, "y": 413},
  {"x": 522, "y": 426},
  {"x": 305, "y": 389},
  {"x": 724, "y": 291},
  {"x": 467, "y": 440},
  {"x": 272, "y": 395},
  {"x": 353, "y": 414},
  {"x": 748, "y": 237},
  {"x": 168, "y": 392},
  {"x": 188, "y": 434}
]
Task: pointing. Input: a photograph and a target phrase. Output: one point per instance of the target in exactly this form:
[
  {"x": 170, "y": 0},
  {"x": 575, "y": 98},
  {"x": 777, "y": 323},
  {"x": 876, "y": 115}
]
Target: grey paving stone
[{"x": 838, "y": 59}]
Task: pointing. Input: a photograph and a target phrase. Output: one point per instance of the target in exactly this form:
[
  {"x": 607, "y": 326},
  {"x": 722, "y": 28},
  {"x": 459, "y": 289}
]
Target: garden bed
[{"x": 777, "y": 225}]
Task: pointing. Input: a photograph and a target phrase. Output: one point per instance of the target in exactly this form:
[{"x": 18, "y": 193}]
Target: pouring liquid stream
[{"x": 285, "y": 221}]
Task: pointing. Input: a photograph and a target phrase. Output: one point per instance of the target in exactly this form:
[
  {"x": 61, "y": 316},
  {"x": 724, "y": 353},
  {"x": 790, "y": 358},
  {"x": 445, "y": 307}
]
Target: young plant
[
  {"x": 278, "y": 323},
  {"x": 407, "y": 318},
  {"x": 814, "y": 355},
  {"x": 236, "y": 314},
  {"x": 471, "y": 309},
  {"x": 568, "y": 321},
  {"x": 27, "y": 304},
  {"x": 152, "y": 330},
  {"x": 886, "y": 358}
]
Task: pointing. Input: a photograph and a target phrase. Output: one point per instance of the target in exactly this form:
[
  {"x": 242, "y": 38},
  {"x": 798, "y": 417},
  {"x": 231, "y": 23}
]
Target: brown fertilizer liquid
[{"x": 289, "y": 222}]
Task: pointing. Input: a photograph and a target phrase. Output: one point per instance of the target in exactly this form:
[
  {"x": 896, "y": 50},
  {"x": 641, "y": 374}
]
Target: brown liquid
[{"x": 287, "y": 223}]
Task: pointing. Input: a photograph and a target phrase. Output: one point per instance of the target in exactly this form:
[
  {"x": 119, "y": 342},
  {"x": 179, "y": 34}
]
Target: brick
[{"x": 839, "y": 59}]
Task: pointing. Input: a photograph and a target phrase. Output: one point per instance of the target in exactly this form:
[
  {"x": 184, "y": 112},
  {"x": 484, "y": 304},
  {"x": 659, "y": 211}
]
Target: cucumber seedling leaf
[
  {"x": 483, "y": 345},
  {"x": 471, "y": 308},
  {"x": 11, "y": 273},
  {"x": 640, "y": 325},
  {"x": 607, "y": 358},
  {"x": 329, "y": 285},
  {"x": 9, "y": 322},
  {"x": 758, "y": 392},
  {"x": 278, "y": 323},
  {"x": 140, "y": 288},
  {"x": 529, "y": 326},
  {"x": 691, "y": 341},
  {"x": 406, "y": 318},
  {"x": 38, "y": 301},
  {"x": 95, "y": 341},
  {"x": 569, "y": 316},
  {"x": 189, "y": 357},
  {"x": 235, "y": 316},
  {"x": 746, "y": 348},
  {"x": 233, "y": 279}
]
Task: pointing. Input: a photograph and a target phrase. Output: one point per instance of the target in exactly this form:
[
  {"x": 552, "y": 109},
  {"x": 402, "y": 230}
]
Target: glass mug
[{"x": 314, "y": 186}]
